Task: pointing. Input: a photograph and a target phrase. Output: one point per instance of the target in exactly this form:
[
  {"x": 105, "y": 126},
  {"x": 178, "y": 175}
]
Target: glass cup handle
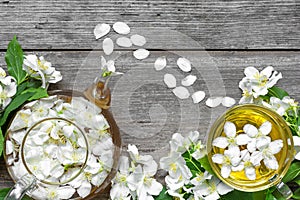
[
  {"x": 283, "y": 191},
  {"x": 26, "y": 183}
]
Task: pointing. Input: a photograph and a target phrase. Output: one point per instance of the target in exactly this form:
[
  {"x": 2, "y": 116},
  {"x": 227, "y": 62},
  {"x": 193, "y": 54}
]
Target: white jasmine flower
[
  {"x": 68, "y": 155},
  {"x": 296, "y": 140},
  {"x": 200, "y": 150},
  {"x": 259, "y": 136},
  {"x": 176, "y": 194},
  {"x": 21, "y": 120},
  {"x": 108, "y": 68},
  {"x": 232, "y": 140},
  {"x": 267, "y": 152},
  {"x": 175, "y": 164},
  {"x": 176, "y": 182},
  {"x": 99, "y": 127},
  {"x": 201, "y": 177},
  {"x": 181, "y": 144},
  {"x": 247, "y": 96},
  {"x": 120, "y": 189},
  {"x": 143, "y": 182},
  {"x": 230, "y": 159},
  {"x": 54, "y": 192},
  {"x": 7, "y": 91},
  {"x": 278, "y": 105},
  {"x": 212, "y": 189},
  {"x": 40, "y": 69}
]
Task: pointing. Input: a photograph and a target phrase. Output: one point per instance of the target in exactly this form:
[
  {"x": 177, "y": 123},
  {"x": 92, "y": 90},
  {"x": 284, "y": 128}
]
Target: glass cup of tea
[{"x": 250, "y": 148}]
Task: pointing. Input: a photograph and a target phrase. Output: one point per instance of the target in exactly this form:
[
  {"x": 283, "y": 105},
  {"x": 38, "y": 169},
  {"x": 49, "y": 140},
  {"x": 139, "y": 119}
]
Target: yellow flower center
[
  {"x": 173, "y": 167},
  {"x": 42, "y": 66}
]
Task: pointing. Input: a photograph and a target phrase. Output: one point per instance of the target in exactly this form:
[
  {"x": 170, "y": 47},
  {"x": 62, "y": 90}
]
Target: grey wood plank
[
  {"x": 216, "y": 24},
  {"x": 152, "y": 112}
]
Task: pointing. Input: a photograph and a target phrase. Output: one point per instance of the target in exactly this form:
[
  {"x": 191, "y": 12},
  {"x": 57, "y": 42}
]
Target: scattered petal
[
  {"x": 108, "y": 46},
  {"x": 184, "y": 64},
  {"x": 124, "y": 42},
  {"x": 141, "y": 54},
  {"x": 198, "y": 96},
  {"x": 228, "y": 101},
  {"x": 189, "y": 80},
  {"x": 213, "y": 101},
  {"x": 170, "y": 80},
  {"x": 101, "y": 30},
  {"x": 121, "y": 28},
  {"x": 181, "y": 92},
  {"x": 160, "y": 63},
  {"x": 138, "y": 40}
]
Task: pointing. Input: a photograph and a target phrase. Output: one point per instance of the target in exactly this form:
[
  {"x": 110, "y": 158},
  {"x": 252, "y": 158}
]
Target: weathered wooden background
[{"x": 221, "y": 37}]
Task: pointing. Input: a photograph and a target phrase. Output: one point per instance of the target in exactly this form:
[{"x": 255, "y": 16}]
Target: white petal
[
  {"x": 262, "y": 142},
  {"x": 189, "y": 80},
  {"x": 225, "y": 171},
  {"x": 297, "y": 156},
  {"x": 229, "y": 129},
  {"x": 121, "y": 28},
  {"x": 296, "y": 140},
  {"x": 271, "y": 162},
  {"x": 267, "y": 71},
  {"x": 124, "y": 42},
  {"x": 65, "y": 192},
  {"x": 256, "y": 157},
  {"x": 198, "y": 96},
  {"x": 170, "y": 80},
  {"x": 141, "y": 54},
  {"x": 273, "y": 80},
  {"x": 250, "y": 173},
  {"x": 84, "y": 189},
  {"x": 250, "y": 130},
  {"x": 108, "y": 46},
  {"x": 181, "y": 92},
  {"x": 265, "y": 128},
  {"x": 251, "y": 71},
  {"x": 101, "y": 30},
  {"x": 242, "y": 139},
  {"x": 220, "y": 142},
  {"x": 222, "y": 188},
  {"x": 228, "y": 101},
  {"x": 160, "y": 63},
  {"x": 275, "y": 146},
  {"x": 218, "y": 158},
  {"x": 184, "y": 64},
  {"x": 9, "y": 147},
  {"x": 155, "y": 188},
  {"x": 138, "y": 40},
  {"x": 213, "y": 101}
]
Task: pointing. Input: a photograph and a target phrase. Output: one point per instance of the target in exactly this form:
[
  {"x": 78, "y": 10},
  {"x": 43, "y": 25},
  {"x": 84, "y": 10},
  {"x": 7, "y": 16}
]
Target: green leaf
[
  {"x": 205, "y": 164},
  {"x": 277, "y": 92},
  {"x": 1, "y": 142},
  {"x": 14, "y": 104},
  {"x": 192, "y": 163},
  {"x": 292, "y": 172},
  {"x": 163, "y": 195},
  {"x": 236, "y": 194},
  {"x": 270, "y": 196},
  {"x": 14, "y": 60},
  {"x": 4, "y": 192},
  {"x": 297, "y": 194},
  {"x": 38, "y": 93}
]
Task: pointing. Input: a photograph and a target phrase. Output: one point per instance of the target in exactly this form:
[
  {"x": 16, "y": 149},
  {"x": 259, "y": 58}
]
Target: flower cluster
[
  {"x": 41, "y": 69},
  {"x": 257, "y": 83},
  {"x": 259, "y": 147},
  {"x": 62, "y": 149},
  {"x": 134, "y": 179},
  {"x": 8, "y": 89},
  {"x": 187, "y": 178}
]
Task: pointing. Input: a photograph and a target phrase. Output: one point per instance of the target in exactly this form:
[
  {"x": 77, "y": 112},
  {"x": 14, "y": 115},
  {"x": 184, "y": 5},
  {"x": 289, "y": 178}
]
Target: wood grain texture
[
  {"x": 216, "y": 24},
  {"x": 154, "y": 113}
]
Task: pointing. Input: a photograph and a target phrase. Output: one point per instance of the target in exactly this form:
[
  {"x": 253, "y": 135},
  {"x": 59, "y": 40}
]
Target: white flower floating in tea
[{"x": 238, "y": 157}]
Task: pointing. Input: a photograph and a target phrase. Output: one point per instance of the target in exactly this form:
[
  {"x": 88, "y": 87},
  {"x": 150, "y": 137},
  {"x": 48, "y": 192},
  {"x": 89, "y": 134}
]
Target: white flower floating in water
[
  {"x": 259, "y": 148},
  {"x": 257, "y": 83},
  {"x": 41, "y": 69},
  {"x": 8, "y": 89}
]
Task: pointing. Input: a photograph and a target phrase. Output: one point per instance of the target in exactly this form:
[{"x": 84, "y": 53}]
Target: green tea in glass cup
[{"x": 250, "y": 148}]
